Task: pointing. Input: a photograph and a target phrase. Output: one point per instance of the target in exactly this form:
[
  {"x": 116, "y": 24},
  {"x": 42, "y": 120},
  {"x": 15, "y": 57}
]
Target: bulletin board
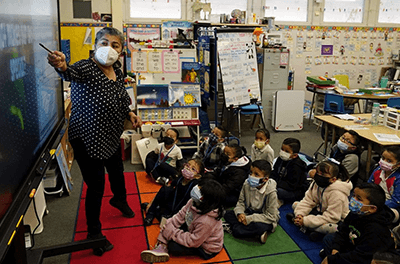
[
  {"x": 238, "y": 66},
  {"x": 160, "y": 66},
  {"x": 81, "y": 36},
  {"x": 358, "y": 52}
]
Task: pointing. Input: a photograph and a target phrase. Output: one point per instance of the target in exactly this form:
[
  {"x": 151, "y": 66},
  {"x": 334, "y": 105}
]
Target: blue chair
[
  {"x": 334, "y": 104},
  {"x": 251, "y": 109},
  {"x": 394, "y": 102}
]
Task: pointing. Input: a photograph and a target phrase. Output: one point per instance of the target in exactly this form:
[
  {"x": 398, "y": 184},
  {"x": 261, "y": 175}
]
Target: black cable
[{"x": 39, "y": 223}]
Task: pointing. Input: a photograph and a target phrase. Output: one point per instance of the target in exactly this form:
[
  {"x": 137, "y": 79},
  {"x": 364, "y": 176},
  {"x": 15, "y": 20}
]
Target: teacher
[{"x": 100, "y": 105}]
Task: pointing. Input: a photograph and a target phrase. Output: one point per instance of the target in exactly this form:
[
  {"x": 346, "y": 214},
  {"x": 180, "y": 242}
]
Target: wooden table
[
  {"x": 366, "y": 97},
  {"x": 367, "y": 135}
]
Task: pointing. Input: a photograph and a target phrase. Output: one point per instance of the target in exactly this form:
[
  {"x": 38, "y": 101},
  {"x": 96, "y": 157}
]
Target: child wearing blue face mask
[
  {"x": 196, "y": 229},
  {"x": 387, "y": 175},
  {"x": 325, "y": 203},
  {"x": 290, "y": 172},
  {"x": 364, "y": 231},
  {"x": 256, "y": 213}
]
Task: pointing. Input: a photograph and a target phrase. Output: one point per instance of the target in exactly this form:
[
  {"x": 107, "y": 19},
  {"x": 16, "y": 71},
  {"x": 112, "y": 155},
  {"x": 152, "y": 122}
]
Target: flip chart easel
[{"x": 238, "y": 66}]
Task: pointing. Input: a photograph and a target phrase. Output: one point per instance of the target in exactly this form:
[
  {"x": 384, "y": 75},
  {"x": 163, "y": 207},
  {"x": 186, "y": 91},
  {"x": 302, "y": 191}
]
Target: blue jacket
[{"x": 392, "y": 183}]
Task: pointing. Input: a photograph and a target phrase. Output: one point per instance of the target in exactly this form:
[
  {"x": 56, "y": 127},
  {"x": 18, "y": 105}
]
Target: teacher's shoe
[
  {"x": 101, "y": 250},
  {"x": 123, "y": 207},
  {"x": 158, "y": 254}
]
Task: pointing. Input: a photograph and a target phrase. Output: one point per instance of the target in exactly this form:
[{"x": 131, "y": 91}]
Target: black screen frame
[{"x": 13, "y": 218}]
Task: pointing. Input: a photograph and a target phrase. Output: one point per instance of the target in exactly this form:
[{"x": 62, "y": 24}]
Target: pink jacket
[{"x": 204, "y": 230}]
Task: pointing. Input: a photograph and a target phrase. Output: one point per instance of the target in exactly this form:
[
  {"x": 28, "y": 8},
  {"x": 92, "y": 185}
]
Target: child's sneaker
[
  {"x": 162, "y": 180},
  {"x": 263, "y": 237},
  {"x": 158, "y": 254},
  {"x": 227, "y": 227}
]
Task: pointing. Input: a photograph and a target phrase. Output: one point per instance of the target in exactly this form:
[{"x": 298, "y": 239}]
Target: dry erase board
[{"x": 238, "y": 65}]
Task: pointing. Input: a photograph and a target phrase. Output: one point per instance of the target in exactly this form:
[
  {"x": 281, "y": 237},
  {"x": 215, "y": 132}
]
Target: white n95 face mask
[{"x": 106, "y": 56}]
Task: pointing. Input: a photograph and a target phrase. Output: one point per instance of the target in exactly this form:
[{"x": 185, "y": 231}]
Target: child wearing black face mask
[
  {"x": 233, "y": 171},
  {"x": 325, "y": 202},
  {"x": 364, "y": 231},
  {"x": 164, "y": 162}
]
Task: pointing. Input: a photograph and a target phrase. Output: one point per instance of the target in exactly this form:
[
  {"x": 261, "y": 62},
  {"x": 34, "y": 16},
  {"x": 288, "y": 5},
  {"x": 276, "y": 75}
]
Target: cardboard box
[{"x": 135, "y": 157}]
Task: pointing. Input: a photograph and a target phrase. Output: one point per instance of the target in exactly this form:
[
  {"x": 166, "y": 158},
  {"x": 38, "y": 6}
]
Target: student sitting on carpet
[
  {"x": 261, "y": 149},
  {"x": 170, "y": 199},
  {"x": 326, "y": 202},
  {"x": 256, "y": 213},
  {"x": 163, "y": 162},
  {"x": 196, "y": 229},
  {"x": 211, "y": 149},
  {"x": 364, "y": 231},
  {"x": 289, "y": 172},
  {"x": 387, "y": 175},
  {"x": 235, "y": 168}
]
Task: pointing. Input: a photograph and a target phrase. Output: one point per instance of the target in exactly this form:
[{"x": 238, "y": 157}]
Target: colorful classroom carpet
[{"x": 129, "y": 237}]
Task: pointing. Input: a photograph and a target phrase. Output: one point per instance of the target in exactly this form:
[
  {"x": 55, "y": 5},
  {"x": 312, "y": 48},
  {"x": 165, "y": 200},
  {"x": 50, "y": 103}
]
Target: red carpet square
[
  {"x": 130, "y": 184},
  {"x": 145, "y": 183},
  {"x": 152, "y": 234},
  {"x": 111, "y": 217},
  {"x": 128, "y": 243}
]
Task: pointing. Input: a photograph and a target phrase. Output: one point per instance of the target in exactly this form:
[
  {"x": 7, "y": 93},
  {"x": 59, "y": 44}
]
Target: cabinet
[
  {"x": 275, "y": 74},
  {"x": 65, "y": 144}
]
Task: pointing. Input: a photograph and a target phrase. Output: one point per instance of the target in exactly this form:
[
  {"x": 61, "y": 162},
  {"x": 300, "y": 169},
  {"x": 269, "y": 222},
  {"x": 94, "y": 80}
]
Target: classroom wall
[{"x": 306, "y": 59}]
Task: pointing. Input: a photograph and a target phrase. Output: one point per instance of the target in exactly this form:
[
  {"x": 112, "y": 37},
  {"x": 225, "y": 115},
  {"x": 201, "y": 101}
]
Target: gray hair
[{"x": 110, "y": 31}]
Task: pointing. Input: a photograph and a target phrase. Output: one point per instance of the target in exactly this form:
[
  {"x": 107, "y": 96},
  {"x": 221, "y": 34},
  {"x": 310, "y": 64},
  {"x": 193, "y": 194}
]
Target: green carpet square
[
  {"x": 277, "y": 242},
  {"x": 296, "y": 257}
]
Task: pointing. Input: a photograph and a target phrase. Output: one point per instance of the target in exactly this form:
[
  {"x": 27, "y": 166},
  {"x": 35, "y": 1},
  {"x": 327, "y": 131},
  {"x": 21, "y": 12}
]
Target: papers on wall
[
  {"x": 141, "y": 33},
  {"x": 387, "y": 137},
  {"x": 171, "y": 61},
  {"x": 139, "y": 61}
]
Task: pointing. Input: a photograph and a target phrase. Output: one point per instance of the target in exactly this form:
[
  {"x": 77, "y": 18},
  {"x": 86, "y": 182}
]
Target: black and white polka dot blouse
[{"x": 99, "y": 108}]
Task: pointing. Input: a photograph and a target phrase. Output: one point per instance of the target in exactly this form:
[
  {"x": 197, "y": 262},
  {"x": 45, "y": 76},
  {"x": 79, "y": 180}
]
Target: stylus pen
[{"x": 43, "y": 46}]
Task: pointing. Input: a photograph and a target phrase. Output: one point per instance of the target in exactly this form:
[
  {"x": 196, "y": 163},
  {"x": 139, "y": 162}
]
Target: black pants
[
  {"x": 240, "y": 230},
  {"x": 93, "y": 174},
  {"x": 179, "y": 250},
  {"x": 162, "y": 203},
  {"x": 162, "y": 170}
]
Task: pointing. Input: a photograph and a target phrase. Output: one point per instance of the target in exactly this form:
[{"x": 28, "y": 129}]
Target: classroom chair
[
  {"x": 343, "y": 79},
  {"x": 334, "y": 104},
  {"x": 393, "y": 102},
  {"x": 251, "y": 109}
]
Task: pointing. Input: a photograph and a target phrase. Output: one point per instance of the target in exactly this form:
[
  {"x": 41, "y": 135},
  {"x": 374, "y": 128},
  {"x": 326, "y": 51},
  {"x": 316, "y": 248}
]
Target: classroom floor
[
  {"x": 130, "y": 237},
  {"x": 65, "y": 221}
]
